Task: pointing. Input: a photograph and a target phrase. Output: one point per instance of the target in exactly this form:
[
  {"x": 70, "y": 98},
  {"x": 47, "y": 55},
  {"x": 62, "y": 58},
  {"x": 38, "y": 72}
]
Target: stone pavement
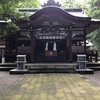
[{"x": 52, "y": 87}]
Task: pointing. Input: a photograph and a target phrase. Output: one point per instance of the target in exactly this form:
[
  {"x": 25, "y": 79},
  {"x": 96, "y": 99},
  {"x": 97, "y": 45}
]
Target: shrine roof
[
  {"x": 69, "y": 16},
  {"x": 73, "y": 11},
  {"x": 57, "y": 10}
]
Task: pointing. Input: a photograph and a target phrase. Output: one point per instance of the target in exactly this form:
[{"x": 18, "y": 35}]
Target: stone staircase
[
  {"x": 51, "y": 68},
  {"x": 7, "y": 66},
  {"x": 93, "y": 65}
]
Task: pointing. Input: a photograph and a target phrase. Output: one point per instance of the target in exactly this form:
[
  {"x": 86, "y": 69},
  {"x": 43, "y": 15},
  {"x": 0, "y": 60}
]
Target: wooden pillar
[
  {"x": 16, "y": 40},
  {"x": 32, "y": 46},
  {"x": 96, "y": 57},
  {"x": 67, "y": 45},
  {"x": 85, "y": 40},
  {"x": 2, "y": 56},
  {"x": 70, "y": 44}
]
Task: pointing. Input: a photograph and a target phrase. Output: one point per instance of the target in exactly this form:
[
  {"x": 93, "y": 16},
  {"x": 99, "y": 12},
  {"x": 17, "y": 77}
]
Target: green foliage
[
  {"x": 10, "y": 28},
  {"x": 94, "y": 8},
  {"x": 73, "y": 4},
  {"x": 8, "y": 10},
  {"x": 96, "y": 39},
  {"x": 8, "y": 7},
  {"x": 94, "y": 12},
  {"x": 68, "y": 3},
  {"x": 29, "y": 4}
]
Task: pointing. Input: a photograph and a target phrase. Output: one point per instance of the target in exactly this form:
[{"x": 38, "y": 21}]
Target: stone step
[
  {"x": 50, "y": 68},
  {"x": 6, "y": 68},
  {"x": 51, "y": 65},
  {"x": 51, "y": 71},
  {"x": 92, "y": 64},
  {"x": 95, "y": 68},
  {"x": 7, "y": 64},
  {"x": 85, "y": 71}
]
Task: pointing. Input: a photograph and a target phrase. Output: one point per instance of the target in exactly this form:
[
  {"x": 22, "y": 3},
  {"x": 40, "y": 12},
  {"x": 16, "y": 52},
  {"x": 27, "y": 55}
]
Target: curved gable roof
[{"x": 58, "y": 11}]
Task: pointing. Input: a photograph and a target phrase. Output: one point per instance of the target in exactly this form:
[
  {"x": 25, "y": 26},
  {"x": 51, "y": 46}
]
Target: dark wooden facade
[{"x": 54, "y": 27}]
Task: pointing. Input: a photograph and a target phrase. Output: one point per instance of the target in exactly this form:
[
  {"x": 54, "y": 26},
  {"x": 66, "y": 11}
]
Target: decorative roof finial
[{"x": 51, "y": 3}]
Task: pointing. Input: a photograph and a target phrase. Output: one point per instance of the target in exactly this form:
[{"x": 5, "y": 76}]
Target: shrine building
[{"x": 51, "y": 35}]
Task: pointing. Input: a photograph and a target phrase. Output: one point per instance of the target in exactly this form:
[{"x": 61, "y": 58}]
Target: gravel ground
[
  {"x": 6, "y": 80},
  {"x": 94, "y": 78}
]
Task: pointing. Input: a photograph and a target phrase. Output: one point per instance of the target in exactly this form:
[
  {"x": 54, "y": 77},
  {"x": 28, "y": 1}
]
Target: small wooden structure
[{"x": 63, "y": 29}]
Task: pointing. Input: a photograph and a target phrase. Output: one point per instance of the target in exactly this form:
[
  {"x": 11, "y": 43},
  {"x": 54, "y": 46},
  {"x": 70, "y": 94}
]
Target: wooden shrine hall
[{"x": 51, "y": 34}]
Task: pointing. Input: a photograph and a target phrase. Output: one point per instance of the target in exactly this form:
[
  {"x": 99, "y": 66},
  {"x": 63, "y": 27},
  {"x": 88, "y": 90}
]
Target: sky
[{"x": 42, "y": 1}]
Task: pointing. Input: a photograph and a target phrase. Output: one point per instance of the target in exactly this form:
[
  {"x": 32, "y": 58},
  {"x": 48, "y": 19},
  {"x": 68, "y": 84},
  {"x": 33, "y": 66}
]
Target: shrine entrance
[
  {"x": 51, "y": 36},
  {"x": 52, "y": 51}
]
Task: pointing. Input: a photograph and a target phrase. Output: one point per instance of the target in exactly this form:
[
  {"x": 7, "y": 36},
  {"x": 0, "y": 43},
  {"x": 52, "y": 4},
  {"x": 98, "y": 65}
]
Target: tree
[
  {"x": 73, "y": 4},
  {"x": 8, "y": 11},
  {"x": 29, "y": 4},
  {"x": 94, "y": 11},
  {"x": 68, "y": 3},
  {"x": 94, "y": 8},
  {"x": 8, "y": 7}
]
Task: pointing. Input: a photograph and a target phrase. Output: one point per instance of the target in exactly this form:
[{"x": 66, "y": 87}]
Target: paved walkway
[{"x": 52, "y": 87}]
